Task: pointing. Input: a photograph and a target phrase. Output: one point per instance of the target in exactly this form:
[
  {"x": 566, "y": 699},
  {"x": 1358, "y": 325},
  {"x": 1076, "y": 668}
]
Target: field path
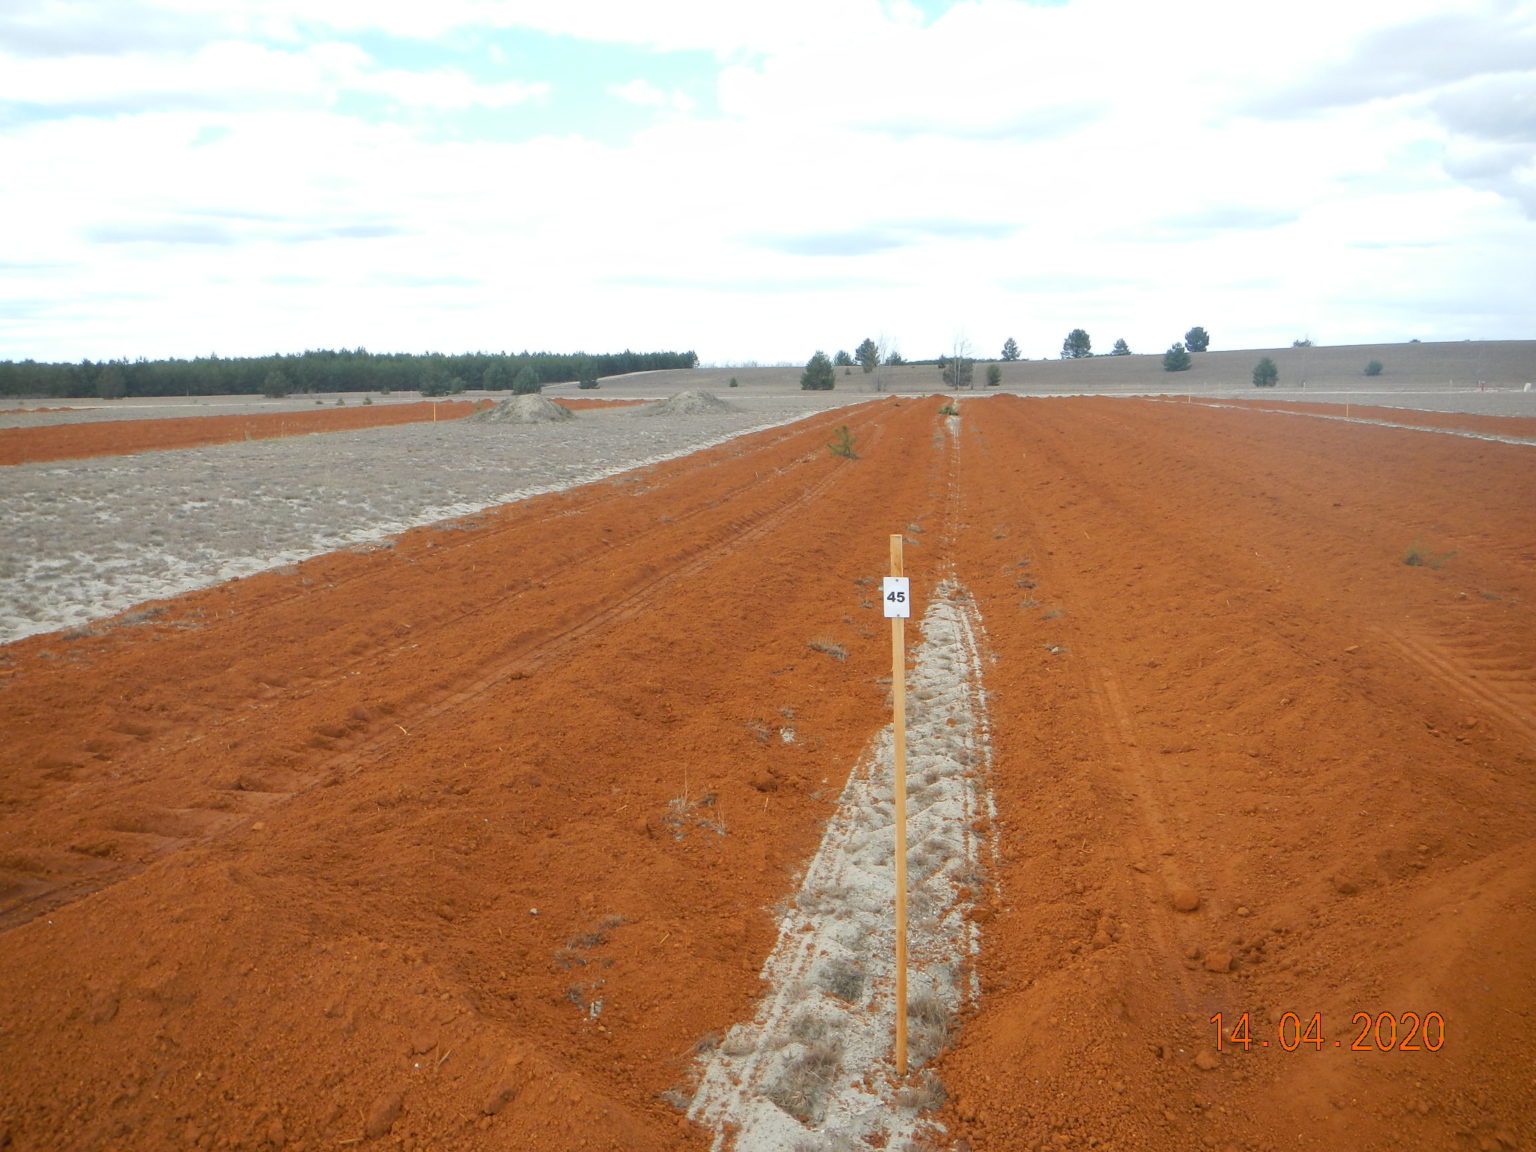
[{"x": 474, "y": 841}]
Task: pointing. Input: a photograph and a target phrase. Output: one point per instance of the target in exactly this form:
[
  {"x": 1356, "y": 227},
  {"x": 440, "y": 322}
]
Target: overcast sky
[{"x": 759, "y": 180}]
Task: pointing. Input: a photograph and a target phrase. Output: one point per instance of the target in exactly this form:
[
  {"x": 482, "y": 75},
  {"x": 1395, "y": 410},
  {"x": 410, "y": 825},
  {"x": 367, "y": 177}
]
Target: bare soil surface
[
  {"x": 127, "y": 437},
  {"x": 346, "y": 854}
]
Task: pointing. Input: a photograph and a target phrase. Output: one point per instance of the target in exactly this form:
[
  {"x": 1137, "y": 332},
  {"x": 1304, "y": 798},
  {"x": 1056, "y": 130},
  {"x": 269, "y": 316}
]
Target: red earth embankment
[
  {"x": 473, "y": 842},
  {"x": 587, "y": 404},
  {"x": 125, "y": 437}
]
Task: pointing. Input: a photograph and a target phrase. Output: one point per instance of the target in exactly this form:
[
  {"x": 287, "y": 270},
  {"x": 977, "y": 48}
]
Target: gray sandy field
[{"x": 84, "y": 539}]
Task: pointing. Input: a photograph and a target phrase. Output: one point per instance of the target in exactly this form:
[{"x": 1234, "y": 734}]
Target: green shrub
[
  {"x": 1265, "y": 374},
  {"x": 1177, "y": 358},
  {"x": 1373, "y": 368},
  {"x": 818, "y": 375}
]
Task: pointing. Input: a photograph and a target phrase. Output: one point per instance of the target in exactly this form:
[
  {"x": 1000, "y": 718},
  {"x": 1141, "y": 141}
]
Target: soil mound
[
  {"x": 692, "y": 402},
  {"x": 529, "y": 409}
]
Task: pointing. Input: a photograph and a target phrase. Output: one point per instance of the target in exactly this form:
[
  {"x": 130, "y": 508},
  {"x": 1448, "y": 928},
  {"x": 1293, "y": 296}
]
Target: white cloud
[
  {"x": 239, "y": 76},
  {"x": 1004, "y": 168},
  {"x": 648, "y": 95}
]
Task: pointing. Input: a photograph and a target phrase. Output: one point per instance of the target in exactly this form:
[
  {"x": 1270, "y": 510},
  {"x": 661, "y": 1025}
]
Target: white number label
[{"x": 897, "y": 593}]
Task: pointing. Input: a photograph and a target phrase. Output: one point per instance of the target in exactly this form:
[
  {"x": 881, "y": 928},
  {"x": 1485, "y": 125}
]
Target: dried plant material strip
[{"x": 814, "y": 1064}]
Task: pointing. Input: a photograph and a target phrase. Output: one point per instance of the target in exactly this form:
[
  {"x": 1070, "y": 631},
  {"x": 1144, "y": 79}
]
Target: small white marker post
[{"x": 896, "y": 593}]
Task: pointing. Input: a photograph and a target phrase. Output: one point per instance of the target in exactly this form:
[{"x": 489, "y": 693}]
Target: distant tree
[
  {"x": 526, "y": 381},
  {"x": 734, "y": 384},
  {"x": 1304, "y": 342},
  {"x": 868, "y": 355},
  {"x": 496, "y": 377},
  {"x": 894, "y": 359},
  {"x": 1197, "y": 339},
  {"x": 1121, "y": 348},
  {"x": 1010, "y": 349},
  {"x": 879, "y": 354},
  {"x": 994, "y": 375},
  {"x": 110, "y": 383},
  {"x": 275, "y": 385},
  {"x": 1076, "y": 346},
  {"x": 435, "y": 380},
  {"x": 1177, "y": 358},
  {"x": 818, "y": 375},
  {"x": 587, "y": 370},
  {"x": 1373, "y": 368},
  {"x": 842, "y": 359},
  {"x": 958, "y": 369},
  {"x": 1265, "y": 374}
]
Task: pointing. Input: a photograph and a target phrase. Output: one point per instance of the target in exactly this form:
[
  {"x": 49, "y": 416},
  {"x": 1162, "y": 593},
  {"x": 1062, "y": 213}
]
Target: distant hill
[{"x": 1497, "y": 364}]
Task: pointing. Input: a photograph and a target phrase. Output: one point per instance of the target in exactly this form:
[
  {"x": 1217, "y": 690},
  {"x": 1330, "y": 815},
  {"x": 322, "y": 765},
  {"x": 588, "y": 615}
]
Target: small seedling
[
  {"x": 1419, "y": 556},
  {"x": 843, "y": 445},
  {"x": 949, "y": 410}
]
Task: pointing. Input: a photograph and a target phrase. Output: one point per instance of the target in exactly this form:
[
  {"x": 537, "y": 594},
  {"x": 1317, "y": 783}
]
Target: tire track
[{"x": 1507, "y": 696}]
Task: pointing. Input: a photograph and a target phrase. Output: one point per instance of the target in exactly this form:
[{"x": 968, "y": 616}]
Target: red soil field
[
  {"x": 125, "y": 437},
  {"x": 334, "y": 856},
  {"x": 586, "y": 404}
]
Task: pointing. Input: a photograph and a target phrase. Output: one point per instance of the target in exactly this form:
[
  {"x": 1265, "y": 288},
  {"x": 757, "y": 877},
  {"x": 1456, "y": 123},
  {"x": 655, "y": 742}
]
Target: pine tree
[
  {"x": 819, "y": 375},
  {"x": 868, "y": 355},
  {"x": 526, "y": 381},
  {"x": 1077, "y": 345},
  {"x": 1177, "y": 358}
]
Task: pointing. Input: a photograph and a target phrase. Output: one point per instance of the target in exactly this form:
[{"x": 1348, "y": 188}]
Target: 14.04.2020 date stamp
[{"x": 1383, "y": 1032}]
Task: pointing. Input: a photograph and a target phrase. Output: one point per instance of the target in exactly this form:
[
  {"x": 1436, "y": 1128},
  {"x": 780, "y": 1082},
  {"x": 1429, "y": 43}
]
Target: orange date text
[{"x": 1382, "y": 1032}]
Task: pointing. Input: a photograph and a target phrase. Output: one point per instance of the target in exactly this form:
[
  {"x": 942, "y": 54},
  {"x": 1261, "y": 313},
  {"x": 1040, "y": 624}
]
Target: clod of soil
[
  {"x": 530, "y": 409},
  {"x": 1184, "y": 898},
  {"x": 691, "y": 402},
  {"x": 383, "y": 1114},
  {"x": 1218, "y": 960}
]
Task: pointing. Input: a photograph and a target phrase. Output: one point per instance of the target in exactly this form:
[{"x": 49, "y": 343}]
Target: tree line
[{"x": 325, "y": 371}]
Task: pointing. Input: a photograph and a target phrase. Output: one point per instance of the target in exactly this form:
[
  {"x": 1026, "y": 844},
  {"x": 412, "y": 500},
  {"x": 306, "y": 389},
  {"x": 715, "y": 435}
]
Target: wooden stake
[{"x": 899, "y": 774}]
